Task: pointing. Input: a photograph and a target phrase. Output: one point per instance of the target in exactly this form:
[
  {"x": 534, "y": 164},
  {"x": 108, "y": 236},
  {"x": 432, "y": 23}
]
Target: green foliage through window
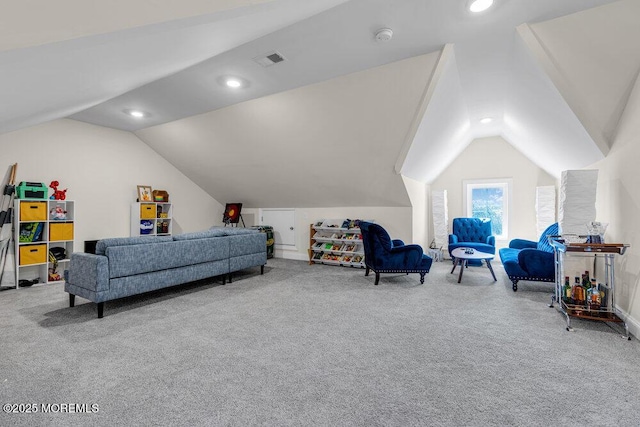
[{"x": 488, "y": 202}]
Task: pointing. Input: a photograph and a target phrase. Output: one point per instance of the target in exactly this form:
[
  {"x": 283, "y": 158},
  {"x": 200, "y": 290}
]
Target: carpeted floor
[{"x": 317, "y": 345}]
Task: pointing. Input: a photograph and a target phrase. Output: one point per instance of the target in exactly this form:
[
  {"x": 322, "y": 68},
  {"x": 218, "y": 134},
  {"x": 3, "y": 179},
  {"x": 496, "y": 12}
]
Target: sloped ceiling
[
  {"x": 571, "y": 81},
  {"x": 553, "y": 75},
  {"x": 443, "y": 130},
  {"x": 538, "y": 121},
  {"x": 593, "y": 58},
  {"x": 37, "y": 22},
  {"x": 330, "y": 44},
  {"x": 557, "y": 97},
  {"x": 49, "y": 81},
  {"x": 333, "y": 141}
]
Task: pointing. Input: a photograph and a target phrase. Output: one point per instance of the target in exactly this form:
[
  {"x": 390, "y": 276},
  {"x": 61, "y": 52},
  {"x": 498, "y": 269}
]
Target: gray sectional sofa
[{"x": 128, "y": 266}]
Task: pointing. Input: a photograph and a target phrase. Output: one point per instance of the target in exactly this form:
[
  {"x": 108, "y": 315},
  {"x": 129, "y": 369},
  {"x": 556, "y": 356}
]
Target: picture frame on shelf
[{"x": 145, "y": 193}]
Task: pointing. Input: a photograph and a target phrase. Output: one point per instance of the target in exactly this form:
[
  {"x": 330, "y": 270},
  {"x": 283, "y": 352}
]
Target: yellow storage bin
[
  {"x": 33, "y": 254},
  {"x": 33, "y": 211},
  {"x": 147, "y": 211},
  {"x": 62, "y": 231}
]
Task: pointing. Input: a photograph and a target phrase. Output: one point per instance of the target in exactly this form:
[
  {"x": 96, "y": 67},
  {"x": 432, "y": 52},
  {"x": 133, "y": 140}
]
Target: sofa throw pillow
[{"x": 543, "y": 243}]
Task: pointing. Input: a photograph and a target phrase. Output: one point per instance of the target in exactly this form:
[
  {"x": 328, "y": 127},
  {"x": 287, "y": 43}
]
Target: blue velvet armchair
[
  {"x": 529, "y": 260},
  {"x": 383, "y": 255},
  {"x": 473, "y": 233}
]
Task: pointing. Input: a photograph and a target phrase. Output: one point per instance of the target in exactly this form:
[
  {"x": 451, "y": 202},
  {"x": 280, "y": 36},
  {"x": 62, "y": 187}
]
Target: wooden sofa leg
[
  {"x": 262, "y": 269},
  {"x": 515, "y": 285},
  {"x": 377, "y": 279},
  {"x": 224, "y": 279},
  {"x": 230, "y": 278},
  {"x": 72, "y": 300},
  {"x": 421, "y": 278},
  {"x": 100, "y": 310},
  {"x": 366, "y": 271}
]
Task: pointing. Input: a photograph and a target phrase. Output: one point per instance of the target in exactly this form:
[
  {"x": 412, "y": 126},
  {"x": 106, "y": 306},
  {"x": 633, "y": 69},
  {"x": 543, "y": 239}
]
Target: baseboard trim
[
  {"x": 632, "y": 324},
  {"x": 295, "y": 255}
]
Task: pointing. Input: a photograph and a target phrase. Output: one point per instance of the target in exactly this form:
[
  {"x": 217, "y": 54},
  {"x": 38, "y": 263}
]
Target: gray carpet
[{"x": 317, "y": 345}]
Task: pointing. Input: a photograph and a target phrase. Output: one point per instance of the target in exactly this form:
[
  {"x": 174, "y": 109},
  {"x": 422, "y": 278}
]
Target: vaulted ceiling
[{"x": 343, "y": 115}]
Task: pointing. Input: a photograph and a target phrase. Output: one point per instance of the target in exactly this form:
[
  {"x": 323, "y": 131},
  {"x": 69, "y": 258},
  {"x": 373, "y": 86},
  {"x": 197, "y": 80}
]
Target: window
[{"x": 489, "y": 199}]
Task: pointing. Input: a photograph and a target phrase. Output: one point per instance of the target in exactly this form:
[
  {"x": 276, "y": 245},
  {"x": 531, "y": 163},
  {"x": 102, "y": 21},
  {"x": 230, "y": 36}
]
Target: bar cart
[{"x": 581, "y": 307}]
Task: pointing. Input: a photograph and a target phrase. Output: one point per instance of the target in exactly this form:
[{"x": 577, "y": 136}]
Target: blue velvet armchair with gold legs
[
  {"x": 383, "y": 255},
  {"x": 529, "y": 260}
]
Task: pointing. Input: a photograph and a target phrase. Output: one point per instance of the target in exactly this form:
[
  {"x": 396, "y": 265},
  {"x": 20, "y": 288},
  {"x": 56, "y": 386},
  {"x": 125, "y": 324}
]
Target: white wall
[
  {"x": 421, "y": 212},
  {"x": 495, "y": 158},
  {"x": 618, "y": 203},
  {"x": 397, "y": 222},
  {"x": 333, "y": 143},
  {"x": 101, "y": 168}
]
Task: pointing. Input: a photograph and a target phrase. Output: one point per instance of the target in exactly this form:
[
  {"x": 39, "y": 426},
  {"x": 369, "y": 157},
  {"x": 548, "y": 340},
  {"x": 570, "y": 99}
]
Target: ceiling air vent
[{"x": 269, "y": 59}]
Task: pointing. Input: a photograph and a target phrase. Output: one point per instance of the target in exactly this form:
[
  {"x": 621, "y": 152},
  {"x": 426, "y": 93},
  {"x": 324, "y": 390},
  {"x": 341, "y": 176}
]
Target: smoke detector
[{"x": 384, "y": 35}]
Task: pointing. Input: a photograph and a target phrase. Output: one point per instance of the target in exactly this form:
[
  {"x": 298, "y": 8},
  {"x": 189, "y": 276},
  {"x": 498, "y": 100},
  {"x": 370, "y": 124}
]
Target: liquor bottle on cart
[
  {"x": 566, "y": 291},
  {"x": 595, "y": 299},
  {"x": 578, "y": 292}
]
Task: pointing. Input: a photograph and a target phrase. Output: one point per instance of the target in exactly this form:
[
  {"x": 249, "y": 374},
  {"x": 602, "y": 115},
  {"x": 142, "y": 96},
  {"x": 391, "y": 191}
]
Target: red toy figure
[{"x": 57, "y": 194}]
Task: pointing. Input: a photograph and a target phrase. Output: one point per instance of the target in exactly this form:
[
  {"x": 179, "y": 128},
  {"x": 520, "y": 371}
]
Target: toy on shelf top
[
  {"x": 160, "y": 196},
  {"x": 57, "y": 194}
]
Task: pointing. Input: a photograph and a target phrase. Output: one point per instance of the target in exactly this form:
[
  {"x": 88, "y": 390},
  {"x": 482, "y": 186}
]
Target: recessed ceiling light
[
  {"x": 234, "y": 83},
  {"x": 486, "y": 120},
  {"x": 480, "y": 5},
  {"x": 138, "y": 114}
]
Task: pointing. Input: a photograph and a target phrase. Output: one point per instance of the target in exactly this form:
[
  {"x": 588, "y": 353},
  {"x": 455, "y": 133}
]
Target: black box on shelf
[{"x": 90, "y": 246}]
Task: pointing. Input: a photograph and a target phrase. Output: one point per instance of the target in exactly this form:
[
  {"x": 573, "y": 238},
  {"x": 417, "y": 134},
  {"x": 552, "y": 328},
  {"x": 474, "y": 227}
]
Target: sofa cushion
[
  {"x": 102, "y": 245},
  {"x": 247, "y": 244},
  {"x": 138, "y": 259},
  {"x": 234, "y": 231},
  {"x": 215, "y": 232},
  {"x": 200, "y": 235},
  {"x": 132, "y": 285},
  {"x": 509, "y": 258}
]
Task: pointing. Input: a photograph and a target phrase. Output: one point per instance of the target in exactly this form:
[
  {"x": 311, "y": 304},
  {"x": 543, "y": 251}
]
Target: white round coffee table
[{"x": 460, "y": 258}]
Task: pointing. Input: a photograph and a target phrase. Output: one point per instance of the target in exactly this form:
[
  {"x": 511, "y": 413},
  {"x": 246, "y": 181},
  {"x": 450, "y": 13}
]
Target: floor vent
[{"x": 269, "y": 59}]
